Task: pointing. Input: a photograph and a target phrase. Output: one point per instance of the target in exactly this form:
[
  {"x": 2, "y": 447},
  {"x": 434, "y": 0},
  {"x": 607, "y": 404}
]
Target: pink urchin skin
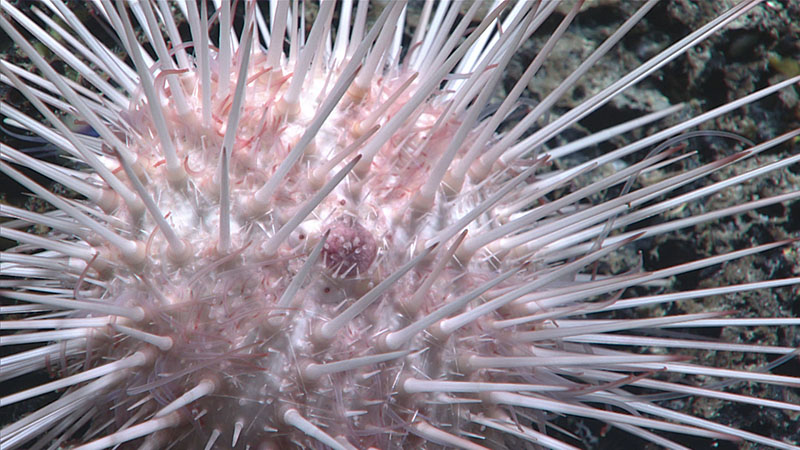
[{"x": 228, "y": 324}]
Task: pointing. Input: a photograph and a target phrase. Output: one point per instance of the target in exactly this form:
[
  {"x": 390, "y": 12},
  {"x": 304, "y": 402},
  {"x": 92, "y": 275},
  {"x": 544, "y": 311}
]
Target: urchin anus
[{"x": 333, "y": 245}]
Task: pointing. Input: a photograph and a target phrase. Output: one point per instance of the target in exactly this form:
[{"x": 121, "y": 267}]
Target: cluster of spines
[{"x": 514, "y": 239}]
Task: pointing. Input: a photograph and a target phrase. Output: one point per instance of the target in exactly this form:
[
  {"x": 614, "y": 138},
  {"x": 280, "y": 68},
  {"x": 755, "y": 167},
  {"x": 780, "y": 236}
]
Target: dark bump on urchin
[{"x": 350, "y": 249}]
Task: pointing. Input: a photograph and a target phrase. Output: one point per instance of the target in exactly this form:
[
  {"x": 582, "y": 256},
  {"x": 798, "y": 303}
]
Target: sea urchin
[{"x": 334, "y": 241}]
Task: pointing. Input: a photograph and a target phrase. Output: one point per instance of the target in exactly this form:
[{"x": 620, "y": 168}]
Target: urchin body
[
  {"x": 335, "y": 248},
  {"x": 224, "y": 311}
]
